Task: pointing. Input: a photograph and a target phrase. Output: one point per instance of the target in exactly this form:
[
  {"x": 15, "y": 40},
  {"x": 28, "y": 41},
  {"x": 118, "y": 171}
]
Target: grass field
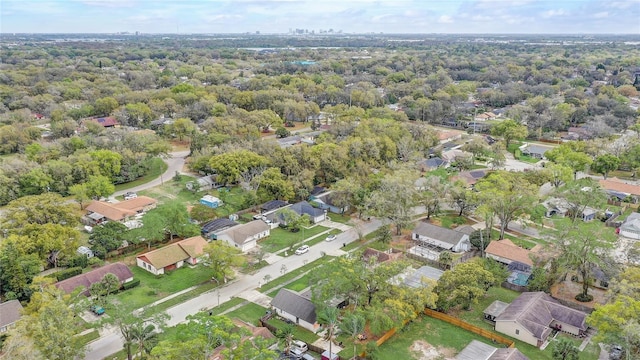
[
  {"x": 268, "y": 287},
  {"x": 297, "y": 285},
  {"x": 250, "y": 313},
  {"x": 153, "y": 288},
  {"x": 157, "y": 167},
  {"x": 298, "y": 332},
  {"x": 282, "y": 238}
]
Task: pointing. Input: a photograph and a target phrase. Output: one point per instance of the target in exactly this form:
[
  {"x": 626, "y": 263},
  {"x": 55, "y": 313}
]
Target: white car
[
  {"x": 130, "y": 195},
  {"x": 330, "y": 237},
  {"x": 302, "y": 249},
  {"x": 301, "y": 345}
]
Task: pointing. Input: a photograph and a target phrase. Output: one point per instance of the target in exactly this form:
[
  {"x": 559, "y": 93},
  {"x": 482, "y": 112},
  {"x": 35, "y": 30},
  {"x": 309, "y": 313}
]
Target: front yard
[{"x": 281, "y": 238}]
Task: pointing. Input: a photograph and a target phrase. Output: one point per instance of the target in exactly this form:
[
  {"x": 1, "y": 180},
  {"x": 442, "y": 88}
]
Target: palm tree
[
  {"x": 353, "y": 324},
  {"x": 286, "y": 334},
  {"x": 329, "y": 318}
]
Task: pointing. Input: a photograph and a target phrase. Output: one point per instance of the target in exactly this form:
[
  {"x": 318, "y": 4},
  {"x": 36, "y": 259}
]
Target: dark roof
[
  {"x": 295, "y": 304},
  {"x": 433, "y": 162},
  {"x": 439, "y": 233},
  {"x": 10, "y": 312},
  {"x": 304, "y": 207},
  {"x": 217, "y": 224},
  {"x": 273, "y": 204},
  {"x": 120, "y": 270},
  {"x": 535, "y": 311},
  {"x": 380, "y": 256},
  {"x": 317, "y": 190},
  {"x": 326, "y": 198}
]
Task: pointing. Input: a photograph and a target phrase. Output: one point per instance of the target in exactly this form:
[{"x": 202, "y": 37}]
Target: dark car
[{"x": 616, "y": 352}]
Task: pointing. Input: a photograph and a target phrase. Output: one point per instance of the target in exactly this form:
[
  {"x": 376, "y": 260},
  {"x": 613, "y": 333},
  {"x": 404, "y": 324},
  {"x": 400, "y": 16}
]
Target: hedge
[
  {"x": 131, "y": 284},
  {"x": 67, "y": 273}
]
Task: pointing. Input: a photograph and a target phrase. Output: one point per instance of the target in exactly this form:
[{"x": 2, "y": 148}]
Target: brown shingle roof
[
  {"x": 136, "y": 204},
  {"x": 616, "y": 184},
  {"x": 10, "y": 312},
  {"x": 508, "y": 250},
  {"x": 173, "y": 253},
  {"x": 119, "y": 211},
  {"x": 120, "y": 270}
]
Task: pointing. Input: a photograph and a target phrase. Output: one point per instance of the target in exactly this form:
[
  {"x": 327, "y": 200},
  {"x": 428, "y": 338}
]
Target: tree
[
  {"x": 582, "y": 194},
  {"x": 571, "y": 155},
  {"x": 274, "y": 185},
  {"x": 38, "y": 209},
  {"x": 79, "y": 193},
  {"x": 353, "y": 325},
  {"x": 510, "y": 130},
  {"x": 463, "y": 285},
  {"x": 282, "y": 132},
  {"x": 202, "y": 213},
  {"x": 606, "y": 163},
  {"x": 98, "y": 187},
  {"x": 222, "y": 258},
  {"x": 477, "y": 146},
  {"x": 563, "y": 349},
  {"x": 286, "y": 334},
  {"x": 104, "y": 106},
  {"x": 581, "y": 250},
  {"x": 135, "y": 331},
  {"x": 107, "y": 237},
  {"x": 329, "y": 318},
  {"x": 182, "y": 128},
  {"x": 108, "y": 162},
  {"x": 433, "y": 192},
  {"x": 394, "y": 199},
  {"x": 506, "y": 195},
  {"x": 175, "y": 218},
  {"x": 231, "y": 166},
  {"x": 17, "y": 269},
  {"x": 462, "y": 198},
  {"x": 558, "y": 174}
]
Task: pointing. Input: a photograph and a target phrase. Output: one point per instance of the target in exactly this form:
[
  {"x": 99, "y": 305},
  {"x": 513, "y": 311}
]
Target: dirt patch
[
  {"x": 567, "y": 290},
  {"x": 422, "y": 350}
]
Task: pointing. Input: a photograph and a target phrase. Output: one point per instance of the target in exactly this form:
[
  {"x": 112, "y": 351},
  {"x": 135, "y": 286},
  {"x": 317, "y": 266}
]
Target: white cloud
[
  {"x": 445, "y": 19},
  {"x": 601, "y": 15},
  {"x": 553, "y": 13}
]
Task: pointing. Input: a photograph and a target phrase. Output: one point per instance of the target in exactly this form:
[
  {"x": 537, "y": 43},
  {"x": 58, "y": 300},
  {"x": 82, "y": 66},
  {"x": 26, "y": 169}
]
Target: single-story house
[
  {"x": 211, "y": 201},
  {"x": 273, "y": 205},
  {"x": 452, "y": 155},
  {"x": 85, "y": 251},
  {"x": 449, "y": 135},
  {"x": 619, "y": 189},
  {"x": 10, "y": 313},
  {"x": 431, "y": 164},
  {"x": 317, "y": 190},
  {"x": 442, "y": 238},
  {"x": 316, "y": 215},
  {"x": 106, "y": 122},
  {"x": 204, "y": 183},
  {"x": 588, "y": 214},
  {"x": 506, "y": 252},
  {"x": 532, "y": 316},
  {"x": 485, "y": 116},
  {"x": 245, "y": 236},
  {"x": 477, "y": 350},
  {"x": 471, "y": 177},
  {"x": 120, "y": 270},
  {"x": 534, "y": 150},
  {"x": 556, "y": 207},
  {"x": 100, "y": 211},
  {"x": 295, "y": 307},
  {"x": 210, "y": 228},
  {"x": 172, "y": 256},
  {"x": 326, "y": 201},
  {"x": 630, "y": 228}
]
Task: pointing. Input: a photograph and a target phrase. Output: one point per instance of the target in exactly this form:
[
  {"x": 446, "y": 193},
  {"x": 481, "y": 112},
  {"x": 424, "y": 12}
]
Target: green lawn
[
  {"x": 595, "y": 226},
  {"x": 157, "y": 167},
  {"x": 88, "y": 337},
  {"x": 201, "y": 289},
  {"x": 343, "y": 219},
  {"x": 475, "y": 316},
  {"x": 282, "y": 238},
  {"x": 266, "y": 288},
  {"x": 299, "y": 333},
  {"x": 250, "y": 313},
  {"x": 174, "y": 190},
  {"x": 296, "y": 285},
  {"x": 153, "y": 288}
]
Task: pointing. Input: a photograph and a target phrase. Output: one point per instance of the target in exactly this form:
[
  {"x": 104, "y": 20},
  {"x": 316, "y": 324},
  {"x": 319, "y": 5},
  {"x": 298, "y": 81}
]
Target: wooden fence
[{"x": 469, "y": 327}]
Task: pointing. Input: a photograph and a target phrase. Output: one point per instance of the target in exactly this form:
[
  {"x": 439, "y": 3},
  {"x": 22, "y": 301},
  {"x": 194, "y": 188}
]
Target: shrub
[
  {"x": 95, "y": 262},
  {"x": 131, "y": 284},
  {"x": 65, "y": 274}
]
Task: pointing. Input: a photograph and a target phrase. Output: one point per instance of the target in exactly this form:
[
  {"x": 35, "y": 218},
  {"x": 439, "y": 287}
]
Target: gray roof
[
  {"x": 295, "y": 304},
  {"x": 239, "y": 234},
  {"x": 476, "y": 350},
  {"x": 535, "y": 149},
  {"x": 304, "y": 207},
  {"x": 10, "y": 312},
  {"x": 415, "y": 280},
  {"x": 508, "y": 354},
  {"x": 535, "y": 311},
  {"x": 452, "y": 237},
  {"x": 496, "y": 308},
  {"x": 273, "y": 204}
]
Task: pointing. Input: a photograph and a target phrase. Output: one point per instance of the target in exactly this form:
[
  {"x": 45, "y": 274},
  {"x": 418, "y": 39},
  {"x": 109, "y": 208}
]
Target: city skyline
[{"x": 350, "y": 16}]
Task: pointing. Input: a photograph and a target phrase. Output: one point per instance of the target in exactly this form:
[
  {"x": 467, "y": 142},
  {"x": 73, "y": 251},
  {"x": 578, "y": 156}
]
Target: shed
[
  {"x": 83, "y": 250},
  {"x": 494, "y": 310},
  {"x": 211, "y": 201}
]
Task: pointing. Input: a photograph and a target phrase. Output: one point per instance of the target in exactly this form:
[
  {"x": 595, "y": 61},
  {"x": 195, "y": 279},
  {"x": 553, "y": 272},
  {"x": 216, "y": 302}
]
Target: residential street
[
  {"x": 175, "y": 163},
  {"x": 110, "y": 342}
]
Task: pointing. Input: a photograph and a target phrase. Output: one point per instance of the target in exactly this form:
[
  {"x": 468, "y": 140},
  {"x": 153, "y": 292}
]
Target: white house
[
  {"x": 631, "y": 227},
  {"x": 295, "y": 307},
  {"x": 172, "y": 256},
  {"x": 245, "y": 236},
  {"x": 442, "y": 238}
]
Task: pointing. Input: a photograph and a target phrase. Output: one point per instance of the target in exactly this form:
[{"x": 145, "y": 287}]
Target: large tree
[
  {"x": 606, "y": 163},
  {"x": 38, "y": 209},
  {"x": 463, "y": 285},
  {"x": 507, "y": 196},
  {"x": 433, "y": 192},
  {"x": 582, "y": 194},
  {"x": 394, "y": 199},
  {"x": 236, "y": 165},
  {"x": 222, "y": 258},
  {"x": 510, "y": 130}
]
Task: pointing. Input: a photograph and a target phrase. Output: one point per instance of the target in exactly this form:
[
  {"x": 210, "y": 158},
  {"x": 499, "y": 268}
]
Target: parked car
[
  {"x": 331, "y": 237},
  {"x": 98, "y": 310},
  {"x": 616, "y": 352},
  {"x": 295, "y": 352},
  {"x": 307, "y": 356},
  {"x": 302, "y": 249},
  {"x": 301, "y": 345},
  {"x": 130, "y": 195}
]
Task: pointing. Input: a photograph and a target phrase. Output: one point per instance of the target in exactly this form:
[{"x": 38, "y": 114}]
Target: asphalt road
[
  {"x": 111, "y": 342},
  {"x": 175, "y": 163}
]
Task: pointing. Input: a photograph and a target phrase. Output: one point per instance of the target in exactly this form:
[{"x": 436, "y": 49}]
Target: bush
[
  {"x": 65, "y": 274},
  {"x": 95, "y": 262},
  {"x": 78, "y": 261},
  {"x": 131, "y": 284}
]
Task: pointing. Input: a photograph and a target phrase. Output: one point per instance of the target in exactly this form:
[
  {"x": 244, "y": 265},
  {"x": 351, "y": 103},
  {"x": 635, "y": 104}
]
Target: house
[
  {"x": 273, "y": 205},
  {"x": 172, "y": 256},
  {"x": 556, "y": 207},
  {"x": 630, "y": 228},
  {"x": 532, "y": 317},
  {"x": 245, "y": 237},
  {"x": 452, "y": 155},
  {"x": 449, "y": 135},
  {"x": 506, "y": 252},
  {"x": 120, "y": 270},
  {"x": 417, "y": 278},
  {"x": 441, "y": 238},
  {"x": 295, "y": 307},
  {"x": 477, "y": 350},
  {"x": 534, "y": 150},
  {"x": 106, "y": 122},
  {"x": 326, "y": 201},
  {"x": 317, "y": 190},
  {"x": 485, "y": 116},
  {"x": 204, "y": 183},
  {"x": 211, "y": 201},
  {"x": 304, "y": 208},
  {"x": 85, "y": 251},
  {"x": 471, "y": 177},
  {"x": 210, "y": 228},
  {"x": 10, "y": 313},
  {"x": 431, "y": 164},
  {"x": 579, "y": 133},
  {"x": 619, "y": 189},
  {"x": 588, "y": 214},
  {"x": 99, "y": 212}
]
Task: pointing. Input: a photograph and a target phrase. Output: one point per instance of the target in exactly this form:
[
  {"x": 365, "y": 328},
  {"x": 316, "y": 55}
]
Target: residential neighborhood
[{"x": 390, "y": 197}]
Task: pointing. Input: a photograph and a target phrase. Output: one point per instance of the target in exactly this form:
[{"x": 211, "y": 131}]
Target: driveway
[
  {"x": 110, "y": 341},
  {"x": 175, "y": 162}
]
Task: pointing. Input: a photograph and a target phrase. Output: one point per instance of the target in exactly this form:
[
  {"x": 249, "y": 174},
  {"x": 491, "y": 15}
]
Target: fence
[
  {"x": 264, "y": 322},
  {"x": 465, "y": 325},
  {"x": 513, "y": 287}
]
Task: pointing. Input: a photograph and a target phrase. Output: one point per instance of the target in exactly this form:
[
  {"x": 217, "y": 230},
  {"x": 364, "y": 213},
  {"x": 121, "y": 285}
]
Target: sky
[{"x": 350, "y": 16}]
